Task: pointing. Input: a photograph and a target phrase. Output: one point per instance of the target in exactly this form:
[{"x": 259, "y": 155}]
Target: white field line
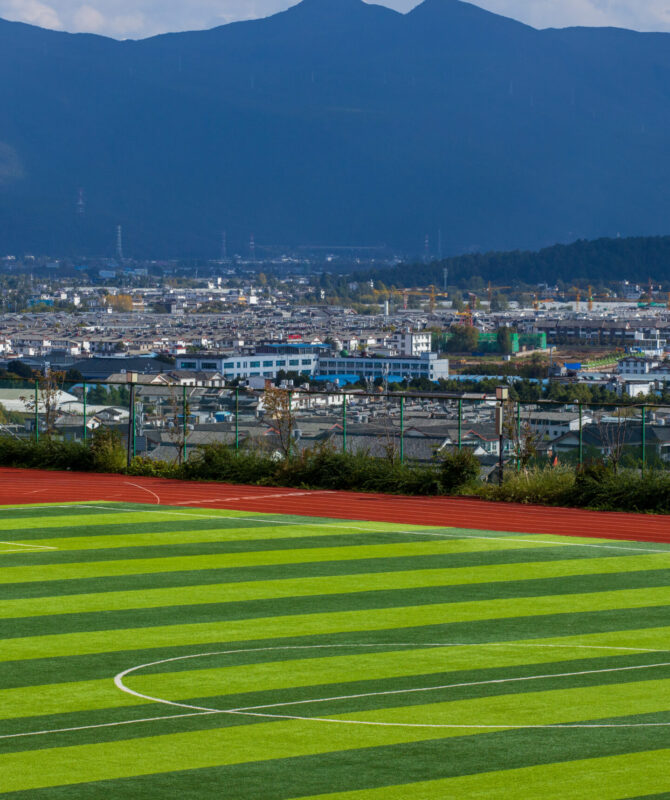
[
  {"x": 254, "y": 711},
  {"x": 210, "y": 712},
  {"x": 30, "y": 548},
  {"x": 345, "y": 526}
]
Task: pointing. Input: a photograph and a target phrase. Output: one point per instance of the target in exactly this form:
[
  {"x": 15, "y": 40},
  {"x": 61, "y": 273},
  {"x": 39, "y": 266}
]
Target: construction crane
[
  {"x": 492, "y": 289},
  {"x": 579, "y": 297},
  {"x": 431, "y": 293}
]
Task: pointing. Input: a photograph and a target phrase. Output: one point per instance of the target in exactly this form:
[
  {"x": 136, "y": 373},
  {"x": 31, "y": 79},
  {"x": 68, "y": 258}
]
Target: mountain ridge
[{"x": 303, "y": 131}]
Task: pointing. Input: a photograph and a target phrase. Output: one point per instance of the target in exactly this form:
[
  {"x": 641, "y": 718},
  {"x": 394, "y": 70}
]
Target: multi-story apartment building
[{"x": 427, "y": 365}]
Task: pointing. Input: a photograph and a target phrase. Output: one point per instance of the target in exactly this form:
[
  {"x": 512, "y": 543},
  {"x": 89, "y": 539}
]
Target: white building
[
  {"x": 427, "y": 365},
  {"x": 266, "y": 362},
  {"x": 634, "y": 366},
  {"x": 412, "y": 344},
  {"x": 552, "y": 424}
]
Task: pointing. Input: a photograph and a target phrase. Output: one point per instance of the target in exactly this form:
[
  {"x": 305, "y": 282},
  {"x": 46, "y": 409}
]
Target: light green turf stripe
[
  {"x": 256, "y": 533},
  {"x": 83, "y": 519},
  {"x": 261, "y": 742},
  {"x": 63, "y": 698},
  {"x": 203, "y": 681},
  {"x": 612, "y": 778},
  {"x": 101, "y": 518},
  {"x": 326, "y": 623},
  {"x": 171, "y": 752},
  {"x": 140, "y": 566},
  {"x": 338, "y": 584},
  {"x": 530, "y": 708}
]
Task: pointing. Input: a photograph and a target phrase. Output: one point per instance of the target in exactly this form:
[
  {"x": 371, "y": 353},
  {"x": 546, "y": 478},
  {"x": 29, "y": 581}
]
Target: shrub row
[{"x": 595, "y": 486}]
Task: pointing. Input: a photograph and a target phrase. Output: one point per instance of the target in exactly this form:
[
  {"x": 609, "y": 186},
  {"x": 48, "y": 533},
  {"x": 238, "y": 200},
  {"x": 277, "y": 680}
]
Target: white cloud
[
  {"x": 89, "y": 19},
  {"x": 139, "y": 18},
  {"x": 31, "y": 11}
]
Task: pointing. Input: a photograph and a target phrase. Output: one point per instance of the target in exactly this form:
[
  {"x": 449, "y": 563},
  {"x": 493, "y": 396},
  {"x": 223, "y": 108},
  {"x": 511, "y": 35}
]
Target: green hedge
[{"x": 595, "y": 486}]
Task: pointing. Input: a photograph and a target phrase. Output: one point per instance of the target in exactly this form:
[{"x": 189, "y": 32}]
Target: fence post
[
  {"x": 344, "y": 423},
  {"x": 581, "y": 437},
  {"x": 460, "y": 424},
  {"x": 85, "y": 431},
  {"x": 644, "y": 438},
  {"x": 518, "y": 436},
  {"x": 37, "y": 411},
  {"x": 131, "y": 419},
  {"x": 402, "y": 430},
  {"x": 237, "y": 419},
  {"x": 184, "y": 423}
]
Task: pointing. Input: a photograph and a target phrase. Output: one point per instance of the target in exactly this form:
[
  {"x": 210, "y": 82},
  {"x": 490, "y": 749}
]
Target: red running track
[{"x": 18, "y": 486}]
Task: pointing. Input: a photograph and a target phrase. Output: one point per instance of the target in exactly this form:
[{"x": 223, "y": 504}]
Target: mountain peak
[
  {"x": 340, "y": 8},
  {"x": 459, "y": 11}
]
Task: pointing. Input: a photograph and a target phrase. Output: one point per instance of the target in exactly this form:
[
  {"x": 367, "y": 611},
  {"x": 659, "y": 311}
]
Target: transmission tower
[
  {"x": 224, "y": 246},
  {"x": 81, "y": 204},
  {"x": 119, "y": 243},
  {"x": 252, "y": 248},
  {"x": 426, "y": 249}
]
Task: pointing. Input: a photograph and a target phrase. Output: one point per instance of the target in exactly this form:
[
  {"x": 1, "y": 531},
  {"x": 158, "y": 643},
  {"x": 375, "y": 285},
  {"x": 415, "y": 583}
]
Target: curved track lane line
[{"x": 18, "y": 486}]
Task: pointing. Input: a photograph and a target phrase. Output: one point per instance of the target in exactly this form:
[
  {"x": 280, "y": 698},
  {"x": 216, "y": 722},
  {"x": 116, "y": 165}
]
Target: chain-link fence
[{"x": 169, "y": 422}]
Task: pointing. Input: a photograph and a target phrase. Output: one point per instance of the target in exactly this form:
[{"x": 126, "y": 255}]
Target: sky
[{"x": 139, "y": 18}]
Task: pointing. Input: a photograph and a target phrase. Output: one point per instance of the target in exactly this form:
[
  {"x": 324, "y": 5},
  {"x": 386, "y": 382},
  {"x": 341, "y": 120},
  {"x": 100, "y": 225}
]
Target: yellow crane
[
  {"x": 431, "y": 293},
  {"x": 578, "y": 292},
  {"x": 492, "y": 289}
]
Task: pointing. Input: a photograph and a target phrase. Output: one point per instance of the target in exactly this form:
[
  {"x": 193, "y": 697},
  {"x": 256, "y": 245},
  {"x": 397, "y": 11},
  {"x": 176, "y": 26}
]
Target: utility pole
[{"x": 119, "y": 243}]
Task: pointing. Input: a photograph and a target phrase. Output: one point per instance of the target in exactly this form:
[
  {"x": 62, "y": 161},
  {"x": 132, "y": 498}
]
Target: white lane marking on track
[
  {"x": 144, "y": 489},
  {"x": 252, "y": 497},
  {"x": 254, "y": 711}
]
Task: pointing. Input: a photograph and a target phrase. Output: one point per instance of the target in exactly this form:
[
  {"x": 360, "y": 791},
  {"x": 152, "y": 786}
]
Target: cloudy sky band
[{"x": 140, "y": 18}]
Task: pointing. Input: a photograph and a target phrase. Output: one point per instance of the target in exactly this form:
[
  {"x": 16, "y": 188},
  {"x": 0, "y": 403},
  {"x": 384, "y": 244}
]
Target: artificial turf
[{"x": 362, "y": 661}]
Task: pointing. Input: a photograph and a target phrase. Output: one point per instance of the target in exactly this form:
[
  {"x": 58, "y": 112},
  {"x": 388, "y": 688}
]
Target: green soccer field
[{"x": 190, "y": 653}]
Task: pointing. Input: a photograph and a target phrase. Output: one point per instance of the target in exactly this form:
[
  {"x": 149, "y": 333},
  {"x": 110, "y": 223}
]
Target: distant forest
[{"x": 600, "y": 261}]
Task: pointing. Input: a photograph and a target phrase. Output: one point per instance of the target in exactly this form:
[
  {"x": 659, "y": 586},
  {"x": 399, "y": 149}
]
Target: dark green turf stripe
[
  {"x": 353, "y": 706},
  {"x": 664, "y": 796},
  {"x": 102, "y": 665},
  {"x": 386, "y": 598},
  {"x": 290, "y": 571},
  {"x": 191, "y": 523},
  {"x": 367, "y": 768},
  {"x": 34, "y": 559},
  {"x": 227, "y": 609},
  {"x": 555, "y": 670}
]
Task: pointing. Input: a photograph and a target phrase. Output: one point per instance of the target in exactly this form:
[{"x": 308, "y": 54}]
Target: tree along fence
[{"x": 169, "y": 422}]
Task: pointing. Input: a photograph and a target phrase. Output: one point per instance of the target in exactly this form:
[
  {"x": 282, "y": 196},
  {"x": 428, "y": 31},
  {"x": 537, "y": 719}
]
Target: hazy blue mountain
[{"x": 334, "y": 122}]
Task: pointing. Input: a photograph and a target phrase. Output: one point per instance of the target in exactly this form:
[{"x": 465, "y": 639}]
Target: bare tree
[
  {"x": 178, "y": 413},
  {"x": 49, "y": 387},
  {"x": 613, "y": 435},
  {"x": 523, "y": 438},
  {"x": 278, "y": 408}
]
